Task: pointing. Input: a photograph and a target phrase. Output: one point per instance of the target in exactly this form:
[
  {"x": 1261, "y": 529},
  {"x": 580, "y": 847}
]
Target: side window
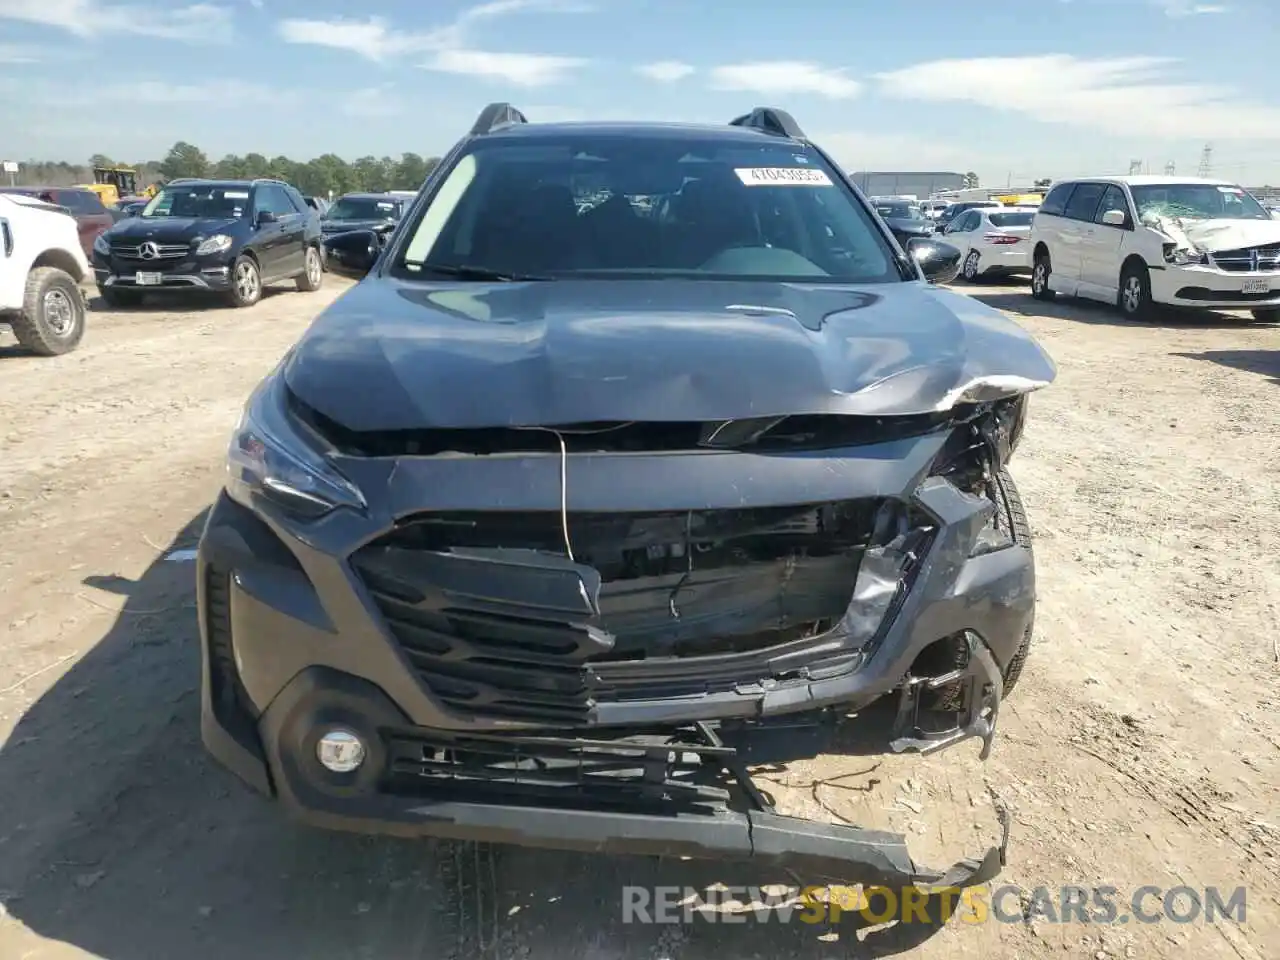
[
  {"x": 90, "y": 202},
  {"x": 273, "y": 198},
  {"x": 71, "y": 199},
  {"x": 1113, "y": 199},
  {"x": 1084, "y": 202},
  {"x": 1056, "y": 202},
  {"x": 299, "y": 204},
  {"x": 965, "y": 222}
]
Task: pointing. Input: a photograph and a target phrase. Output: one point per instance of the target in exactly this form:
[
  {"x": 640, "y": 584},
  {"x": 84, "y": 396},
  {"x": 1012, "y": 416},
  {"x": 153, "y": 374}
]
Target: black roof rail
[
  {"x": 496, "y": 115},
  {"x": 770, "y": 120}
]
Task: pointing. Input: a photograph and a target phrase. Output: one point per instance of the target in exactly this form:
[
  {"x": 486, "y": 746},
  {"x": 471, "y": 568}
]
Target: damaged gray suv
[{"x": 639, "y": 450}]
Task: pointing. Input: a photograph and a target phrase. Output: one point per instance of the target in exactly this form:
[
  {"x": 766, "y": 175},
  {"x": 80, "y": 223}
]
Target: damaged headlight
[
  {"x": 885, "y": 571},
  {"x": 975, "y": 454},
  {"x": 268, "y": 458},
  {"x": 1182, "y": 257}
]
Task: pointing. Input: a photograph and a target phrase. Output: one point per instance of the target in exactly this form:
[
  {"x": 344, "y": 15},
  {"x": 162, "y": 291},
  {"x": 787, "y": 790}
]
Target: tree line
[{"x": 318, "y": 177}]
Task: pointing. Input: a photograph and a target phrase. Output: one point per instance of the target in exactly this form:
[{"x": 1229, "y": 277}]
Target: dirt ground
[{"x": 1142, "y": 747}]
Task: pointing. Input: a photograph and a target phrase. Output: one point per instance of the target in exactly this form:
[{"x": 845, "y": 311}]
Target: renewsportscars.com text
[{"x": 1005, "y": 903}]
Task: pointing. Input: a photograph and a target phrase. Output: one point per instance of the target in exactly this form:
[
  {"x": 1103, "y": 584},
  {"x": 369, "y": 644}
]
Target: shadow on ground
[
  {"x": 120, "y": 837},
  {"x": 1265, "y": 362},
  {"x": 182, "y": 300},
  {"x": 1102, "y": 314}
]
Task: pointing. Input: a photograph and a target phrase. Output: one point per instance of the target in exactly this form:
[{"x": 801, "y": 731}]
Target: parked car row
[
  {"x": 1142, "y": 242},
  {"x": 85, "y": 206}
]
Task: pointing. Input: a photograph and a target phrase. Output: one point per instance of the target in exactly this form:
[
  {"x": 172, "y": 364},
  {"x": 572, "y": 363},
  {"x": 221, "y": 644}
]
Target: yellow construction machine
[{"x": 114, "y": 183}]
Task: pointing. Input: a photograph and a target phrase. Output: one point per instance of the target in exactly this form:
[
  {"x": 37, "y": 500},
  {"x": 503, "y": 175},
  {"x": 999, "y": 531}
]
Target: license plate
[
  {"x": 148, "y": 279},
  {"x": 1256, "y": 286}
]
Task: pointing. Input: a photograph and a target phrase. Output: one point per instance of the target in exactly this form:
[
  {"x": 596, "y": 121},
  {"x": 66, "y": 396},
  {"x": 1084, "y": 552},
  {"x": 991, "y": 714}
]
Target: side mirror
[
  {"x": 1115, "y": 218},
  {"x": 355, "y": 251},
  {"x": 265, "y": 217},
  {"x": 938, "y": 261}
]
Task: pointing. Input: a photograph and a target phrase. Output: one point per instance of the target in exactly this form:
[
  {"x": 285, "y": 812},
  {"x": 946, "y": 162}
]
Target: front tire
[
  {"x": 52, "y": 318},
  {"x": 246, "y": 283},
  {"x": 1134, "y": 298},
  {"x": 1040, "y": 277},
  {"x": 1012, "y": 516},
  {"x": 312, "y": 271},
  {"x": 970, "y": 270}
]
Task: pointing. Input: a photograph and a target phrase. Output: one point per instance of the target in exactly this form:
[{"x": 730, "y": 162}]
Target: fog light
[{"x": 340, "y": 751}]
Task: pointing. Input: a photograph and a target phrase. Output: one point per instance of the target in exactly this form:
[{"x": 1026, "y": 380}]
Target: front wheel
[
  {"x": 1134, "y": 298},
  {"x": 52, "y": 318},
  {"x": 1040, "y": 278},
  {"x": 246, "y": 283},
  {"x": 312, "y": 271},
  {"x": 1012, "y": 516}
]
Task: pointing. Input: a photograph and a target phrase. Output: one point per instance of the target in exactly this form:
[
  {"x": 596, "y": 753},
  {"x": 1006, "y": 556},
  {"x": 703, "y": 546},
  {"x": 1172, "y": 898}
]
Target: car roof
[
  {"x": 637, "y": 129},
  {"x": 29, "y": 190},
  {"x": 1152, "y": 180},
  {"x": 368, "y": 195}
]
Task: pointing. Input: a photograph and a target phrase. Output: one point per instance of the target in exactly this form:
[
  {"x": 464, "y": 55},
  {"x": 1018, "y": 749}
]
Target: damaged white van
[{"x": 1146, "y": 242}]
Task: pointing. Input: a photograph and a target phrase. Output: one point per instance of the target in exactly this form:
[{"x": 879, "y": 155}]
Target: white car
[
  {"x": 991, "y": 241},
  {"x": 933, "y": 208},
  {"x": 1143, "y": 242},
  {"x": 41, "y": 268}
]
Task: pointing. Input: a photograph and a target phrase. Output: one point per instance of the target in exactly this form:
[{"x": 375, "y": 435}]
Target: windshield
[
  {"x": 652, "y": 207},
  {"x": 898, "y": 210},
  {"x": 199, "y": 201},
  {"x": 364, "y": 208},
  {"x": 1022, "y": 218},
  {"x": 1197, "y": 201}
]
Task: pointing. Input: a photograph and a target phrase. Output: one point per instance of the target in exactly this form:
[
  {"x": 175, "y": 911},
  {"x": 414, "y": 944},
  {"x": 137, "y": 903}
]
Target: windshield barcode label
[{"x": 782, "y": 177}]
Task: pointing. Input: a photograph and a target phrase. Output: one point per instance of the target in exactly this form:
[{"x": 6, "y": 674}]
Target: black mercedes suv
[
  {"x": 641, "y": 454},
  {"x": 355, "y": 211},
  {"x": 233, "y": 237}
]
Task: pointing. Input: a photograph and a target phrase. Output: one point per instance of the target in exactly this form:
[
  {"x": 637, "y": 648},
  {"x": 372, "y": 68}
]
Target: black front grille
[
  {"x": 498, "y": 621},
  {"x": 1249, "y": 259},
  {"x": 160, "y": 251},
  {"x": 639, "y": 774}
]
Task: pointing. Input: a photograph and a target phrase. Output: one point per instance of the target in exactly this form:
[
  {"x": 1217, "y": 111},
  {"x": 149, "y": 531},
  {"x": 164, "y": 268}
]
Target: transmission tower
[
  {"x": 1135, "y": 166},
  {"x": 1206, "y": 161},
  {"x": 1170, "y": 168}
]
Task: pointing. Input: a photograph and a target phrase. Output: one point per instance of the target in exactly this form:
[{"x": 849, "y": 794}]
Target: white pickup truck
[{"x": 41, "y": 268}]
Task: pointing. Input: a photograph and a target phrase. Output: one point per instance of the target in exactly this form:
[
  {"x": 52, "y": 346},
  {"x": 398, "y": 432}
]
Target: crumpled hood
[
  {"x": 1213, "y": 235},
  {"x": 390, "y": 355},
  {"x": 168, "y": 229}
]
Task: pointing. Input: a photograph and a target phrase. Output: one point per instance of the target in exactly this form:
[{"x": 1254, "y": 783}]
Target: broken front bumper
[
  {"x": 675, "y": 793},
  {"x": 299, "y": 635}
]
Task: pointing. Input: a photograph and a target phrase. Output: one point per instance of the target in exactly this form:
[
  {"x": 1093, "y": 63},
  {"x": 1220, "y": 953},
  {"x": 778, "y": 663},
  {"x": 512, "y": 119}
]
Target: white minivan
[{"x": 1143, "y": 242}]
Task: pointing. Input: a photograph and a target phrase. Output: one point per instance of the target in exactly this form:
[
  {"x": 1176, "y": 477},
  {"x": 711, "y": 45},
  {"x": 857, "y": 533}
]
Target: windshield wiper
[{"x": 466, "y": 271}]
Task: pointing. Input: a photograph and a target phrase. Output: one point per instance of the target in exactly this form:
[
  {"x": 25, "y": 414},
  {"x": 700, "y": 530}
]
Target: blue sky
[{"x": 1007, "y": 88}]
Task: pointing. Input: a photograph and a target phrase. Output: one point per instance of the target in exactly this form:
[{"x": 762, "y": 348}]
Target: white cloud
[
  {"x": 372, "y": 38},
  {"x": 1123, "y": 96},
  {"x": 665, "y": 71},
  {"x": 90, "y": 18},
  {"x": 521, "y": 69},
  {"x": 782, "y": 77},
  {"x": 1186, "y": 8},
  {"x": 448, "y": 46}
]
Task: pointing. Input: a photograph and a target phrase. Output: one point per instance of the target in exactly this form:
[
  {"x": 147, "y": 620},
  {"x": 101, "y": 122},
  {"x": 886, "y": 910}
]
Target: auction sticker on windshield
[{"x": 782, "y": 177}]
